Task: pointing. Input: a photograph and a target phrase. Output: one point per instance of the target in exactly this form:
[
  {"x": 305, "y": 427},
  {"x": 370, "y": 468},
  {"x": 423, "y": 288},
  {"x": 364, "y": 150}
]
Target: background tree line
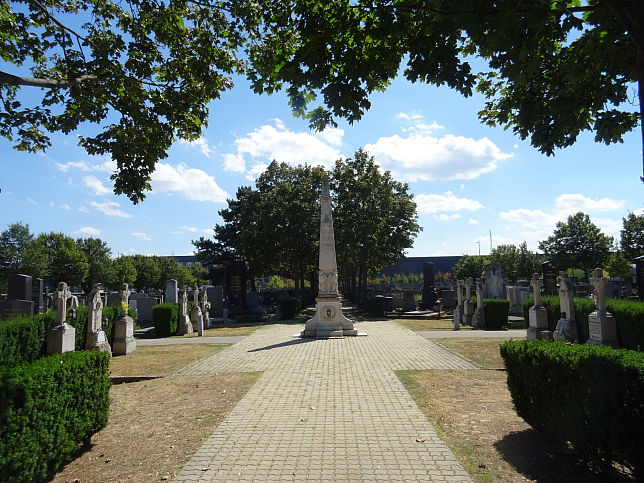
[
  {"x": 576, "y": 243},
  {"x": 275, "y": 227},
  {"x": 82, "y": 262}
]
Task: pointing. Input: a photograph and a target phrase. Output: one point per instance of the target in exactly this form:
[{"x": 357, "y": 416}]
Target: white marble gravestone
[
  {"x": 468, "y": 305},
  {"x": 478, "y": 321},
  {"x": 458, "y": 311},
  {"x": 328, "y": 321},
  {"x": 96, "y": 337},
  {"x": 184, "y": 326},
  {"x": 62, "y": 337},
  {"x": 567, "y": 326},
  {"x": 602, "y": 327}
]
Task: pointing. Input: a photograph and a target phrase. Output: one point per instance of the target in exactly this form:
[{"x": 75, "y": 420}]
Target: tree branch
[
  {"x": 445, "y": 13},
  {"x": 14, "y": 80},
  {"x": 44, "y": 10}
]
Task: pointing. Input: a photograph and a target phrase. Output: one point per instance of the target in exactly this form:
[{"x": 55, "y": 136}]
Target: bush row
[
  {"x": 496, "y": 313},
  {"x": 590, "y": 396},
  {"x": 166, "y": 319},
  {"x": 48, "y": 409},
  {"x": 22, "y": 339},
  {"x": 629, "y": 318}
]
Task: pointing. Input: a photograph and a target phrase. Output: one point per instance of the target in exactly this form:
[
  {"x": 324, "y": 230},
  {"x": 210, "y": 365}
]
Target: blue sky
[{"x": 468, "y": 179}]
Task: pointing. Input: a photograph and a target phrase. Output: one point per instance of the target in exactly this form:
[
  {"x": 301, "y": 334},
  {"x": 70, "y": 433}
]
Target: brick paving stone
[{"x": 326, "y": 410}]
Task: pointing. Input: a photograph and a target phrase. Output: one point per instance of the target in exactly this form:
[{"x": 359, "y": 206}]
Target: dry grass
[
  {"x": 156, "y": 426},
  {"x": 473, "y": 413},
  {"x": 228, "y": 330},
  {"x": 160, "y": 360},
  {"x": 418, "y": 325}
]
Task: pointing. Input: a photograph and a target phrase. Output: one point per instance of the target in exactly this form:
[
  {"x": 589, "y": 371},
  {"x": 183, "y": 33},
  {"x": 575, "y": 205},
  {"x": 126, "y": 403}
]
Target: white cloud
[
  {"x": 410, "y": 117},
  {"x": 472, "y": 221},
  {"x": 192, "y": 184},
  {"x": 573, "y": 203},
  {"x": 192, "y": 229},
  {"x": 276, "y": 142},
  {"x": 200, "y": 143},
  {"x": 142, "y": 236},
  {"x": 638, "y": 212},
  {"x": 88, "y": 230},
  {"x": 437, "y": 203},
  {"x": 420, "y": 156},
  {"x": 96, "y": 185},
  {"x": 110, "y": 208},
  {"x": 81, "y": 165},
  {"x": 446, "y": 217},
  {"x": 255, "y": 171},
  {"x": 32, "y": 201},
  {"x": 64, "y": 206}
]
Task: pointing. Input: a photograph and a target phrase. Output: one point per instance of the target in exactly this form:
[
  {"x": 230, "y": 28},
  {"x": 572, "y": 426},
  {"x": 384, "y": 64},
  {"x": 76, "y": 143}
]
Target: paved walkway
[
  {"x": 191, "y": 340},
  {"x": 326, "y": 410},
  {"x": 472, "y": 334}
]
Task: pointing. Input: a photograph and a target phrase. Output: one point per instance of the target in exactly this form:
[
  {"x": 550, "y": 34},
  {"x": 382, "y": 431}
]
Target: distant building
[
  {"x": 415, "y": 265},
  {"x": 186, "y": 260}
]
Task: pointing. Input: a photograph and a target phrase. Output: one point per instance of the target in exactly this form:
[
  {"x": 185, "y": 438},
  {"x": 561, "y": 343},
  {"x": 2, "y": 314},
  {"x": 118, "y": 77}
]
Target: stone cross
[
  {"x": 468, "y": 285},
  {"x": 204, "y": 300},
  {"x": 124, "y": 293},
  {"x": 566, "y": 295},
  {"x": 60, "y": 298},
  {"x": 599, "y": 285},
  {"x": 95, "y": 316},
  {"x": 479, "y": 294},
  {"x": 536, "y": 287}
]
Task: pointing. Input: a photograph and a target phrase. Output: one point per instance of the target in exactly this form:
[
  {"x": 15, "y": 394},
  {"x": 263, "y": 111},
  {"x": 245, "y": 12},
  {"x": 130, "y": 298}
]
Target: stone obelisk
[{"x": 329, "y": 321}]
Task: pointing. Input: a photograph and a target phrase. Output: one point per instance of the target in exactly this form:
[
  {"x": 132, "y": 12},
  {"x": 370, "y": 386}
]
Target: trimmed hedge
[
  {"x": 496, "y": 313},
  {"x": 48, "y": 409},
  {"x": 289, "y": 308},
  {"x": 629, "y": 318},
  {"x": 375, "y": 306},
  {"x": 166, "y": 319},
  {"x": 22, "y": 339},
  {"x": 591, "y": 396}
]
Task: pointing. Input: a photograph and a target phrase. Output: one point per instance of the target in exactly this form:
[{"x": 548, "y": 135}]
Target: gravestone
[
  {"x": 215, "y": 297},
  {"x": 639, "y": 276},
  {"x": 62, "y": 337},
  {"x": 195, "y": 312},
  {"x": 184, "y": 326},
  {"x": 124, "y": 342},
  {"x": 567, "y": 326},
  {"x": 468, "y": 305},
  {"x": 328, "y": 321},
  {"x": 479, "y": 312},
  {"x": 601, "y": 323},
  {"x": 19, "y": 298},
  {"x": 494, "y": 287},
  {"x": 389, "y": 304},
  {"x": 458, "y": 311},
  {"x": 96, "y": 339},
  {"x": 144, "y": 310},
  {"x": 537, "y": 315},
  {"x": 252, "y": 302},
  {"x": 171, "y": 293},
  {"x": 409, "y": 301},
  {"x": 429, "y": 294},
  {"x": 549, "y": 272},
  {"x": 205, "y": 308},
  {"x": 448, "y": 296},
  {"x": 37, "y": 289}
]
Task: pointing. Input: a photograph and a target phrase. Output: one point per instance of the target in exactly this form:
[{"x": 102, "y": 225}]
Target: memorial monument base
[
  {"x": 98, "y": 342},
  {"x": 328, "y": 322},
  {"x": 124, "y": 342},
  {"x": 538, "y": 318},
  {"x": 602, "y": 329},
  {"x": 566, "y": 331},
  {"x": 61, "y": 338}
]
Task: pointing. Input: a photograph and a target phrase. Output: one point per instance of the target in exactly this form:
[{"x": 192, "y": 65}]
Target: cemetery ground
[{"x": 164, "y": 421}]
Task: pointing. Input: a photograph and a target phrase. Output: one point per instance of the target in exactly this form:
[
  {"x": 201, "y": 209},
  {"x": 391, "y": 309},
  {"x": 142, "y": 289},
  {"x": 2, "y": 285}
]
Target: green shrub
[
  {"x": 166, "y": 319},
  {"x": 375, "y": 306},
  {"x": 629, "y": 318},
  {"x": 496, "y": 313},
  {"x": 590, "y": 396},
  {"x": 289, "y": 308},
  {"x": 22, "y": 339},
  {"x": 48, "y": 409}
]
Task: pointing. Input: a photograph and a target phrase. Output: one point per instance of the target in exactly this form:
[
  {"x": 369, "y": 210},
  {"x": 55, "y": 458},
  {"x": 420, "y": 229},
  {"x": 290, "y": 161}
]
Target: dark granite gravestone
[
  {"x": 19, "y": 287},
  {"x": 549, "y": 278},
  {"x": 639, "y": 276},
  {"x": 429, "y": 294},
  {"x": 19, "y": 302},
  {"x": 37, "y": 289}
]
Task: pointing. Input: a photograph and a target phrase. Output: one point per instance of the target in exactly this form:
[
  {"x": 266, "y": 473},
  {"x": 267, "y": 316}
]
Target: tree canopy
[
  {"x": 12, "y": 242},
  {"x": 577, "y": 243},
  {"x": 632, "y": 235},
  {"x": 145, "y": 71}
]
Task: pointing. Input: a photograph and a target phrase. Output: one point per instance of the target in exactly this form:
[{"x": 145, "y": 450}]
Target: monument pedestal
[
  {"x": 61, "y": 338},
  {"x": 185, "y": 326},
  {"x": 195, "y": 314},
  {"x": 566, "y": 331},
  {"x": 124, "y": 342},
  {"x": 328, "y": 322},
  {"x": 97, "y": 341},
  {"x": 478, "y": 322},
  {"x": 602, "y": 329},
  {"x": 468, "y": 312},
  {"x": 538, "y": 317},
  {"x": 458, "y": 317}
]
